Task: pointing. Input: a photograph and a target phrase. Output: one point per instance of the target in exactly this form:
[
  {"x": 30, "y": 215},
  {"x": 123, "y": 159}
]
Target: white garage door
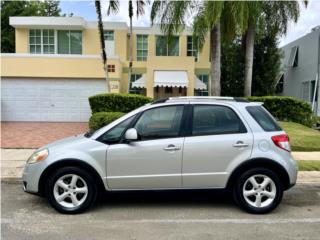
[{"x": 55, "y": 100}]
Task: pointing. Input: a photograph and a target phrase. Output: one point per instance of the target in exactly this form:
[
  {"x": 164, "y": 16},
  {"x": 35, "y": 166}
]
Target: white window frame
[
  {"x": 143, "y": 47},
  {"x": 55, "y": 41},
  {"x": 192, "y": 50},
  {"x": 29, "y": 44},
  {"x": 104, "y": 34},
  {"x": 200, "y": 77}
]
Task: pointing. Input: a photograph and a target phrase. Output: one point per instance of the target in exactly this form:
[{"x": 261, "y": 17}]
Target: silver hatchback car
[{"x": 175, "y": 143}]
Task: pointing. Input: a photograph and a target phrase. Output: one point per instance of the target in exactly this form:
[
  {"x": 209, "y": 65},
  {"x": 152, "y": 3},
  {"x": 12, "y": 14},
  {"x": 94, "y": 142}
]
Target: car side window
[
  {"x": 214, "y": 119},
  {"x": 160, "y": 122},
  {"x": 114, "y": 134}
]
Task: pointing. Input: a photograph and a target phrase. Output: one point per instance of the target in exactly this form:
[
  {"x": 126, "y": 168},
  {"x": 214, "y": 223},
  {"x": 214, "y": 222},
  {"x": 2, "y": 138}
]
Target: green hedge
[
  {"x": 287, "y": 109},
  {"x": 100, "y": 119},
  {"x": 117, "y": 102}
]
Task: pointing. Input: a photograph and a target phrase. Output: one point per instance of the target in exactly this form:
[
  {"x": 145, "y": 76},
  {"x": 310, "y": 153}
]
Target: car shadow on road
[{"x": 165, "y": 198}]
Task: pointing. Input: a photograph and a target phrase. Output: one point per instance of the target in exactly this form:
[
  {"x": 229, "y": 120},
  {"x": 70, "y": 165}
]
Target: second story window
[
  {"x": 69, "y": 42},
  {"x": 191, "y": 50},
  {"x": 35, "y": 40},
  {"x": 41, "y": 41},
  {"x": 44, "y": 41},
  {"x": 167, "y": 48},
  {"x": 108, "y": 35},
  {"x": 142, "y": 47},
  {"x": 48, "y": 41}
]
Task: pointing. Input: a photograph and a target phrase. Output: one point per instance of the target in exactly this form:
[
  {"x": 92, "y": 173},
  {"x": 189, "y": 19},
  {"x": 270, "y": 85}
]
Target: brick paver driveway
[{"x": 37, "y": 134}]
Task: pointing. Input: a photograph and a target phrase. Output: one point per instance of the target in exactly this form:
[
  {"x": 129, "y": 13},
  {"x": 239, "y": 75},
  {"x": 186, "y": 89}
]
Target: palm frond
[
  {"x": 140, "y": 5},
  {"x": 113, "y": 7},
  {"x": 200, "y": 29}
]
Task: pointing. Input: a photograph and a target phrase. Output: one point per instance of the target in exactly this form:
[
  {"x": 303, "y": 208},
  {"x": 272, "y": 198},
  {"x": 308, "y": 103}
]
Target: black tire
[
  {"x": 239, "y": 196},
  {"x": 91, "y": 192}
]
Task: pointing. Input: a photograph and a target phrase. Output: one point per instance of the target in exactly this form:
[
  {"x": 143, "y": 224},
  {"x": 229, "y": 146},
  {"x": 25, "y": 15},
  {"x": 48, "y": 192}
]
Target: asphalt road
[{"x": 161, "y": 215}]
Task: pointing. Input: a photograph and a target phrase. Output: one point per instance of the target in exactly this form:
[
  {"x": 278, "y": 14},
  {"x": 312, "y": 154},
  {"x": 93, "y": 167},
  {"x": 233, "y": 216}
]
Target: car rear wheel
[
  {"x": 71, "y": 190},
  {"x": 258, "y": 190}
]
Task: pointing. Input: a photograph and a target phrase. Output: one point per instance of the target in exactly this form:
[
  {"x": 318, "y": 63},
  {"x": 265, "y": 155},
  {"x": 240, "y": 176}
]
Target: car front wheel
[
  {"x": 258, "y": 190},
  {"x": 71, "y": 190}
]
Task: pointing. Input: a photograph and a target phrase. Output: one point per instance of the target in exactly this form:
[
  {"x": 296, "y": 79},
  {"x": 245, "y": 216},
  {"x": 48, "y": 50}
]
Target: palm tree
[
  {"x": 277, "y": 13},
  {"x": 102, "y": 43},
  {"x": 140, "y": 5},
  {"x": 218, "y": 18}
]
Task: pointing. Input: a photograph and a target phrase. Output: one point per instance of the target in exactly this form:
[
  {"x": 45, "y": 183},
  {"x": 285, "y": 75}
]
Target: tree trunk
[
  {"x": 130, "y": 45},
  {"x": 102, "y": 45},
  {"x": 215, "y": 41},
  {"x": 248, "y": 59},
  {"x": 130, "y": 55}
]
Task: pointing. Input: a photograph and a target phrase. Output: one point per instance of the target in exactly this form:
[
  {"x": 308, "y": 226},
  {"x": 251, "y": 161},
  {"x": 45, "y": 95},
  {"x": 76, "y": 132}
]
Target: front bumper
[{"x": 31, "y": 176}]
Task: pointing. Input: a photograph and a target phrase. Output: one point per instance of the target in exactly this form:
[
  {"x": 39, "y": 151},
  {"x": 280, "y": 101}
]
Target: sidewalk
[{"x": 13, "y": 161}]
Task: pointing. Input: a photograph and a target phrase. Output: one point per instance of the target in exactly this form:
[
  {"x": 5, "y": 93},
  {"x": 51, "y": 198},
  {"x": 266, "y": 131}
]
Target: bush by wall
[
  {"x": 287, "y": 109},
  {"x": 117, "y": 102},
  {"x": 100, "y": 119}
]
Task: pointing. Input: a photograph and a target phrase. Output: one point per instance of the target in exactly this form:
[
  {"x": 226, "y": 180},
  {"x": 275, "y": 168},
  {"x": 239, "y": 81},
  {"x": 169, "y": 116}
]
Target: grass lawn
[
  {"x": 302, "y": 138},
  {"x": 309, "y": 165}
]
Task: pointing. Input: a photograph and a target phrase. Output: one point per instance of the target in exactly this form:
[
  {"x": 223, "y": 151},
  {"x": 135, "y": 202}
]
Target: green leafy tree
[
  {"x": 232, "y": 68},
  {"x": 22, "y": 8},
  {"x": 266, "y": 64},
  {"x": 260, "y": 13}
]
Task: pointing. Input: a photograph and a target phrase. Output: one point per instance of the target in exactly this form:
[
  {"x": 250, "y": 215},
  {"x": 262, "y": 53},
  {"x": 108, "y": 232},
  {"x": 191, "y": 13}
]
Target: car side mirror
[{"x": 131, "y": 134}]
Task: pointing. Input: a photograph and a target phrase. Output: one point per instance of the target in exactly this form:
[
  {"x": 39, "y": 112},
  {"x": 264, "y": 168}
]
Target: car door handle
[
  {"x": 240, "y": 144},
  {"x": 171, "y": 148}
]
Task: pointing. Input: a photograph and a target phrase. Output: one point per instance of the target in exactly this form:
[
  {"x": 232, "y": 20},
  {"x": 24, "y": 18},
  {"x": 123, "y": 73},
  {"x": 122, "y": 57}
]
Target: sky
[{"x": 309, "y": 17}]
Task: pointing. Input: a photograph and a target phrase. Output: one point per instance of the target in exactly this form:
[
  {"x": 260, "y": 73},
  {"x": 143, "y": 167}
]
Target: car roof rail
[
  {"x": 162, "y": 100},
  {"x": 236, "y": 99}
]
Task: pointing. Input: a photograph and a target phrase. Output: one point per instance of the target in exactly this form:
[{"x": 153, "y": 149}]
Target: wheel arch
[
  {"x": 263, "y": 163},
  {"x": 69, "y": 163}
]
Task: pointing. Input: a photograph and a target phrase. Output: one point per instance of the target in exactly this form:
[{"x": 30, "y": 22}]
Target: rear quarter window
[{"x": 263, "y": 118}]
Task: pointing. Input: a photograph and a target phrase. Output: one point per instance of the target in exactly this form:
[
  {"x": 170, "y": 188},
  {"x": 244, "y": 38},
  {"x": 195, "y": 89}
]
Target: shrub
[
  {"x": 287, "y": 109},
  {"x": 117, "y": 102},
  {"x": 101, "y": 119}
]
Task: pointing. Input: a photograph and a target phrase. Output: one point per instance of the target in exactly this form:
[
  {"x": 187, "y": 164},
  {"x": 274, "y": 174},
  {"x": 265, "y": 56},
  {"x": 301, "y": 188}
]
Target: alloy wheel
[
  {"x": 70, "y": 191},
  {"x": 259, "y": 191}
]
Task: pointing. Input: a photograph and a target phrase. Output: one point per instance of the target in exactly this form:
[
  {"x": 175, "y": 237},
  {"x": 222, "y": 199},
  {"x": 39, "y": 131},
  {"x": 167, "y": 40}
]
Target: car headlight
[{"x": 38, "y": 156}]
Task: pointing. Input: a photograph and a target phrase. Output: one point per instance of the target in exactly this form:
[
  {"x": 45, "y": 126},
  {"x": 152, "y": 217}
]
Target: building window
[
  {"x": 111, "y": 68},
  {"x": 69, "y": 42},
  {"x": 279, "y": 86},
  {"x": 142, "y": 47},
  {"x": 48, "y": 41},
  {"x": 296, "y": 58},
  {"x": 164, "y": 47},
  {"x": 108, "y": 35},
  {"x": 205, "y": 80},
  {"x": 191, "y": 50},
  {"x": 134, "y": 90},
  {"x": 308, "y": 91},
  {"x": 35, "y": 41},
  {"x": 293, "y": 57}
]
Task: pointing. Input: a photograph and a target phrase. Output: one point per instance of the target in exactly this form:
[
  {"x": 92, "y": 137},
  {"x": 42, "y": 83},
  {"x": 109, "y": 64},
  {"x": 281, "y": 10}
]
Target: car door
[
  {"x": 218, "y": 138},
  {"x": 154, "y": 160}
]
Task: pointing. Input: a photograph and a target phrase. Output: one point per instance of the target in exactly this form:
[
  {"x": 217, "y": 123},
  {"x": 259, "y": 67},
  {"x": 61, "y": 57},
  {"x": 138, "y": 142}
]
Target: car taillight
[{"x": 282, "y": 141}]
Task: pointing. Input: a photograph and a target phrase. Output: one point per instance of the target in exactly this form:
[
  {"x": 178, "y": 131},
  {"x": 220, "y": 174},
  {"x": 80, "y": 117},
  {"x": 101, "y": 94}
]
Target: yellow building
[{"x": 57, "y": 65}]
